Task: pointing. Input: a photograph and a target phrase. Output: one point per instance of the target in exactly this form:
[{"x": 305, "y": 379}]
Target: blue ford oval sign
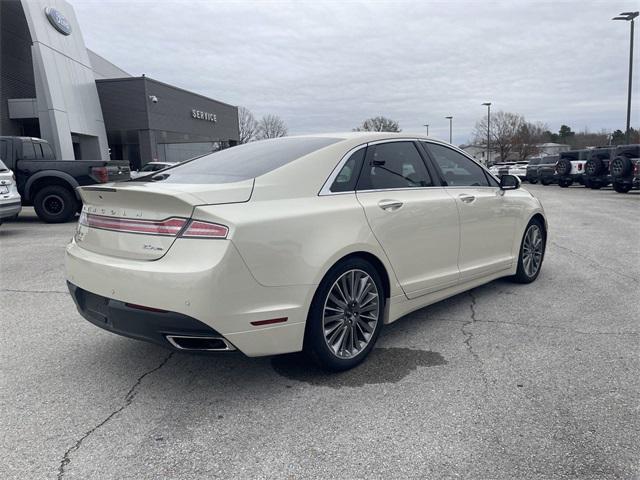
[{"x": 58, "y": 20}]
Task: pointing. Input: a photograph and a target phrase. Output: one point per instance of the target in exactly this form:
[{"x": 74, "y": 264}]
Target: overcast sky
[{"x": 327, "y": 65}]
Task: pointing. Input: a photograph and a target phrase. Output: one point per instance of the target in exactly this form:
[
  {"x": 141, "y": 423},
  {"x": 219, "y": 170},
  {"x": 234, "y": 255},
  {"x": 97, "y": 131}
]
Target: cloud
[{"x": 326, "y": 66}]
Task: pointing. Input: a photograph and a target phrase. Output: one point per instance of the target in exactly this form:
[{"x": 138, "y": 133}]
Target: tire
[
  {"x": 565, "y": 183},
  {"x": 621, "y": 187},
  {"x": 321, "y": 323},
  {"x": 55, "y": 204},
  {"x": 563, "y": 167},
  {"x": 593, "y": 167},
  {"x": 595, "y": 185},
  {"x": 525, "y": 272},
  {"x": 545, "y": 182},
  {"x": 532, "y": 181},
  {"x": 620, "y": 167}
]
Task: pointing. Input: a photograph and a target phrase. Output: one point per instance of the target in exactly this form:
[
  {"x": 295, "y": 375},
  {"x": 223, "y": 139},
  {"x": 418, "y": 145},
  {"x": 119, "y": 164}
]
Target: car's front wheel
[
  {"x": 531, "y": 252},
  {"x": 346, "y": 315}
]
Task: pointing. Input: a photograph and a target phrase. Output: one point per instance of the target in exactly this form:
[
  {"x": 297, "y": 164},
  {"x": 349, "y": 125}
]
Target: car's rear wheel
[
  {"x": 531, "y": 252},
  {"x": 346, "y": 315},
  {"x": 565, "y": 183},
  {"x": 55, "y": 204},
  {"x": 545, "y": 182}
]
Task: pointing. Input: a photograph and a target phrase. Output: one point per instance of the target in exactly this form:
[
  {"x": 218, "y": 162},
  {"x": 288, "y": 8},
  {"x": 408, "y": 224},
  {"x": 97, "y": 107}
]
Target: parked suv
[
  {"x": 10, "y": 203},
  {"x": 546, "y": 170},
  {"x": 625, "y": 168},
  {"x": 570, "y": 167},
  {"x": 596, "y": 170}
]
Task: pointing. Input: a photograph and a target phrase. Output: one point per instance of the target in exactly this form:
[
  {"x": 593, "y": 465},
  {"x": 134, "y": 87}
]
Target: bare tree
[
  {"x": 247, "y": 125},
  {"x": 503, "y": 133},
  {"x": 271, "y": 126},
  {"x": 529, "y": 136},
  {"x": 378, "y": 124}
]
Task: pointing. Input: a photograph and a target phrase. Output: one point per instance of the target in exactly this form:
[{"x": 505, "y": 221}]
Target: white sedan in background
[
  {"x": 10, "y": 200},
  {"x": 151, "y": 167},
  {"x": 298, "y": 243}
]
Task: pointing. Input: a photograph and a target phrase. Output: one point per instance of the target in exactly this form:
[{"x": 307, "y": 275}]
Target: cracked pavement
[{"x": 506, "y": 381}]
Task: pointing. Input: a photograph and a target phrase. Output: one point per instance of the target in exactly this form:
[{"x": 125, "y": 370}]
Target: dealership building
[{"x": 53, "y": 87}]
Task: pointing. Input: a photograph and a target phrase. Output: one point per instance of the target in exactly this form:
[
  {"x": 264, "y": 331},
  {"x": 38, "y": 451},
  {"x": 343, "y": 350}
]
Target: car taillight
[
  {"x": 636, "y": 168},
  {"x": 100, "y": 174},
  {"x": 169, "y": 227},
  {"x": 579, "y": 166},
  {"x": 199, "y": 229}
]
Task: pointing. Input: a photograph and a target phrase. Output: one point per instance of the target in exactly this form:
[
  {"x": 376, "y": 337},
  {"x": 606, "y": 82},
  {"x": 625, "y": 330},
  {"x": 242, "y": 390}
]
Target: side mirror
[{"x": 509, "y": 182}]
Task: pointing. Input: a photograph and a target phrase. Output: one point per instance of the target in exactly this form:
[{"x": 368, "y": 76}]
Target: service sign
[
  {"x": 58, "y": 20},
  {"x": 200, "y": 115}
]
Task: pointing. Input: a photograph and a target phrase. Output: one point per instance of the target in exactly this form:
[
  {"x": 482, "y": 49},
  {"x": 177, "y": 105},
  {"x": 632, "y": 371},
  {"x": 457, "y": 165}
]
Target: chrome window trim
[{"x": 326, "y": 187}]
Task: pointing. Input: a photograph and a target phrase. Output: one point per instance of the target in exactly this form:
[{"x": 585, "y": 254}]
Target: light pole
[
  {"x": 427, "y": 125},
  {"x": 629, "y": 16},
  {"x": 450, "y": 129},
  {"x": 488, "y": 105}
]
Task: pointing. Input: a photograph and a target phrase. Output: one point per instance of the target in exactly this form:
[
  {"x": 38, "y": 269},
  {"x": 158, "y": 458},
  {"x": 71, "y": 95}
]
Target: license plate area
[{"x": 4, "y": 189}]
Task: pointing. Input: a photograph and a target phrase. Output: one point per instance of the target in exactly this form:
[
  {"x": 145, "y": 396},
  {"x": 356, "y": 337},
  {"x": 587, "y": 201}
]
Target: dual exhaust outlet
[{"x": 200, "y": 343}]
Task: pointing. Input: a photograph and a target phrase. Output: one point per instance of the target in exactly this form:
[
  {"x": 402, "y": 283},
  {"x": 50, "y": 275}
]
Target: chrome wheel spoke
[
  {"x": 532, "y": 249},
  {"x": 350, "y": 314}
]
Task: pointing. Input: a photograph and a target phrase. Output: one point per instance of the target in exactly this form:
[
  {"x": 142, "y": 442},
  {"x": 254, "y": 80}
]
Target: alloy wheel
[
  {"x": 350, "y": 313},
  {"x": 532, "y": 250}
]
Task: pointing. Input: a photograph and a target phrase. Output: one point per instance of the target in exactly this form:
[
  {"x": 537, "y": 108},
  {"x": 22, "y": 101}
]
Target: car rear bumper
[
  {"x": 10, "y": 208},
  {"x": 203, "y": 286}
]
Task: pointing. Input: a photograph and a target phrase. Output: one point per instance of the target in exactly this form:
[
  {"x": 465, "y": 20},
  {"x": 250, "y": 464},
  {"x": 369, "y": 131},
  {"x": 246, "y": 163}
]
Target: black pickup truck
[{"x": 49, "y": 184}]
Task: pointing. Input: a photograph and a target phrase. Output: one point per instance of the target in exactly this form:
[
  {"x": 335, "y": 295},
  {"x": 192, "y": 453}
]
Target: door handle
[
  {"x": 467, "y": 198},
  {"x": 389, "y": 205}
]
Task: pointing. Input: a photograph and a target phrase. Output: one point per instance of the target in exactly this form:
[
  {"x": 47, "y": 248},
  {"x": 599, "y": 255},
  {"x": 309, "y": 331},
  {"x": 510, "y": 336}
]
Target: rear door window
[
  {"x": 394, "y": 165},
  {"x": 28, "y": 152}
]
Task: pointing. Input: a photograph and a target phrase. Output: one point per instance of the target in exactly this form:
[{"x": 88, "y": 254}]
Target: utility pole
[
  {"x": 427, "y": 125},
  {"x": 488, "y": 105},
  {"x": 450, "y": 128},
  {"x": 629, "y": 16}
]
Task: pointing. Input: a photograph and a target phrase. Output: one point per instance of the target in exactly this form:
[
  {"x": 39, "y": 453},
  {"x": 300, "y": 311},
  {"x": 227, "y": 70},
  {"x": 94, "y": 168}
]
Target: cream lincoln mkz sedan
[{"x": 310, "y": 242}]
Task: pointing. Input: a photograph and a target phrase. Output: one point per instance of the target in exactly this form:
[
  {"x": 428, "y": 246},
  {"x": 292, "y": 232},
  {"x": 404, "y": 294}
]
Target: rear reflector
[
  {"x": 269, "y": 322},
  {"x": 170, "y": 226},
  {"x": 198, "y": 229}
]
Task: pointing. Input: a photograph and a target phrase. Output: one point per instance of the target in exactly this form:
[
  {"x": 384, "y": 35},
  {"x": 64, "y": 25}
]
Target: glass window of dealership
[{"x": 53, "y": 87}]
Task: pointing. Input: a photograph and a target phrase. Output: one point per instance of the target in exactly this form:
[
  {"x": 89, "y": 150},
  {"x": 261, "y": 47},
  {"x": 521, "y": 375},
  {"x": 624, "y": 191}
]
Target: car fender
[{"x": 73, "y": 183}]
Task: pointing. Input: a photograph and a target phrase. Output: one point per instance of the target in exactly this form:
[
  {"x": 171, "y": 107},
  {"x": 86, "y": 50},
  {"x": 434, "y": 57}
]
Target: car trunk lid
[{"x": 141, "y": 220}]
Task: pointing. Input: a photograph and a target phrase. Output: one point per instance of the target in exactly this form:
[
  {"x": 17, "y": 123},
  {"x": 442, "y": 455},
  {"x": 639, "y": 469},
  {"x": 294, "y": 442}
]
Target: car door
[
  {"x": 487, "y": 213},
  {"x": 414, "y": 220}
]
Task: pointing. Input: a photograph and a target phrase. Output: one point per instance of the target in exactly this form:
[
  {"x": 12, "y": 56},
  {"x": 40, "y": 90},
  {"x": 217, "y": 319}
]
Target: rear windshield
[
  {"x": 534, "y": 161},
  {"x": 243, "y": 162},
  {"x": 550, "y": 160}
]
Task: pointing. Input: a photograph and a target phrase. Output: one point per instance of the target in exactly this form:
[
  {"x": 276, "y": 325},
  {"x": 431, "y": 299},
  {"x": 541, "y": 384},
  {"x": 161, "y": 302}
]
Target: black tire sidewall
[
  {"x": 521, "y": 276},
  {"x": 69, "y": 208},
  {"x": 314, "y": 344}
]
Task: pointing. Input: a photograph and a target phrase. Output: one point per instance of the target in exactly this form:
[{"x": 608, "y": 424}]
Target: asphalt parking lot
[{"x": 507, "y": 381}]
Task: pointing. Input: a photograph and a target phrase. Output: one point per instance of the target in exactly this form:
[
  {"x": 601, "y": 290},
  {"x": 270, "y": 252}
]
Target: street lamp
[
  {"x": 450, "y": 128},
  {"x": 427, "y": 125},
  {"x": 488, "y": 105},
  {"x": 629, "y": 16}
]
